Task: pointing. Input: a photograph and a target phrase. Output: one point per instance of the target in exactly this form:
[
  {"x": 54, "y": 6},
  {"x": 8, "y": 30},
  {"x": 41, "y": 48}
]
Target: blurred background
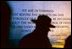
[{"x": 23, "y": 11}]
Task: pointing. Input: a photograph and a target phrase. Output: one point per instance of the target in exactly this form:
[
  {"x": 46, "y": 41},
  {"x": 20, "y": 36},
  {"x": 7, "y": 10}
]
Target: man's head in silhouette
[{"x": 43, "y": 23}]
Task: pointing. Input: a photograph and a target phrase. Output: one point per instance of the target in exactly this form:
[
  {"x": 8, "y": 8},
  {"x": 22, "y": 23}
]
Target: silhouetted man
[{"x": 38, "y": 38}]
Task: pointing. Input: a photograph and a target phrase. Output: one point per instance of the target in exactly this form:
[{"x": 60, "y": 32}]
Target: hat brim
[
  {"x": 34, "y": 21},
  {"x": 52, "y": 26}
]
